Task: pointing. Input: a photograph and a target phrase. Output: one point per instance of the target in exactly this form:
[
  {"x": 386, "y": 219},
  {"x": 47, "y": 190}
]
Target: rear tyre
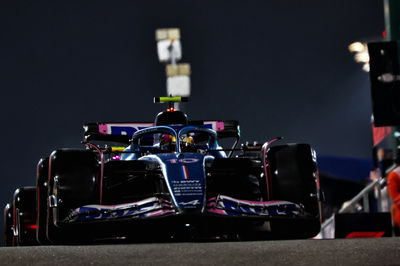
[
  {"x": 73, "y": 183},
  {"x": 293, "y": 172},
  {"x": 8, "y": 225},
  {"x": 24, "y": 217},
  {"x": 42, "y": 195}
]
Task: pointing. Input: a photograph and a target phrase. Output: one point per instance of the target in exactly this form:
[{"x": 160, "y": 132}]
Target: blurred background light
[{"x": 361, "y": 54}]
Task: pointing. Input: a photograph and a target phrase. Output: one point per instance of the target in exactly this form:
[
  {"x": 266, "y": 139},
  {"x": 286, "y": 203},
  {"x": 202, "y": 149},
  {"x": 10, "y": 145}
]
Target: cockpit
[{"x": 166, "y": 139}]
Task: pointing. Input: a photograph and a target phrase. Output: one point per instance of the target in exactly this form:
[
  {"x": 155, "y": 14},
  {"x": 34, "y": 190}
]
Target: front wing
[{"x": 157, "y": 207}]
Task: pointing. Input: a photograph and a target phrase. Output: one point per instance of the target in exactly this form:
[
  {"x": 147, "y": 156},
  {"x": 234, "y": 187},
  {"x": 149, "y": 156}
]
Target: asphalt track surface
[{"x": 383, "y": 251}]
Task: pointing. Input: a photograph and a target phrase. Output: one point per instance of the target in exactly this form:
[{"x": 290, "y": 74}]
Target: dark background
[{"x": 281, "y": 68}]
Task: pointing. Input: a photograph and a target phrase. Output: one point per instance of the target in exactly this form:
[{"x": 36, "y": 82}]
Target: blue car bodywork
[
  {"x": 144, "y": 181},
  {"x": 185, "y": 176}
]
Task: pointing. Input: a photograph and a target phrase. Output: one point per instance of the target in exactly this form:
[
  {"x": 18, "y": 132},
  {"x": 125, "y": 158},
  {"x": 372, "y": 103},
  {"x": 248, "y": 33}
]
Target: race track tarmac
[{"x": 383, "y": 251}]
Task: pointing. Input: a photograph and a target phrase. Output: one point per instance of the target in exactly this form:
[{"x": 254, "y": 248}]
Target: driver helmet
[{"x": 167, "y": 143}]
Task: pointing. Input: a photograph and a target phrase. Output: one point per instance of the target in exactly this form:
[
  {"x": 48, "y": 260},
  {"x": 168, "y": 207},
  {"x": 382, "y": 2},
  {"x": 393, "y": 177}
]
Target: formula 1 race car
[{"x": 167, "y": 180}]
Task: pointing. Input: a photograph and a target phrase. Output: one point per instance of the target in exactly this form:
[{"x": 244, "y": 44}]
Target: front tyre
[
  {"x": 294, "y": 178},
  {"x": 73, "y": 183}
]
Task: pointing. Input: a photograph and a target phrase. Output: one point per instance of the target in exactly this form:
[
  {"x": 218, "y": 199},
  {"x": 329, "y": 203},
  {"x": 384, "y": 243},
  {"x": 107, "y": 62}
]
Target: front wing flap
[
  {"x": 228, "y": 206},
  {"x": 150, "y": 207}
]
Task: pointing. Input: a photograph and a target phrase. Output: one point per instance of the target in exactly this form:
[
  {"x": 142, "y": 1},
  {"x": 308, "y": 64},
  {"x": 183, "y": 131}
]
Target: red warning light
[
  {"x": 30, "y": 226},
  {"x": 384, "y": 34},
  {"x": 365, "y": 235}
]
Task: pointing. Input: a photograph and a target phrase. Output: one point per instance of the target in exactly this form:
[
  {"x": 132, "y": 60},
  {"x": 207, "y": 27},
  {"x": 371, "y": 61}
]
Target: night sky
[{"x": 281, "y": 68}]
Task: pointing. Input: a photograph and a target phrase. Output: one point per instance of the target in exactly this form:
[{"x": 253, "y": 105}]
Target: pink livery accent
[
  {"x": 266, "y": 168},
  {"x": 130, "y": 204},
  {"x": 217, "y": 211},
  {"x": 224, "y": 205},
  {"x": 103, "y": 129},
  {"x": 106, "y": 128},
  {"x": 255, "y": 203},
  {"x": 158, "y": 213},
  {"x": 216, "y": 125},
  {"x": 220, "y": 126},
  {"x": 149, "y": 207}
]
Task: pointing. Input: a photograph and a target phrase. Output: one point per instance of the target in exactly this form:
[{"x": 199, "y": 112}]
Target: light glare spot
[
  {"x": 357, "y": 47},
  {"x": 366, "y": 67},
  {"x": 362, "y": 57}
]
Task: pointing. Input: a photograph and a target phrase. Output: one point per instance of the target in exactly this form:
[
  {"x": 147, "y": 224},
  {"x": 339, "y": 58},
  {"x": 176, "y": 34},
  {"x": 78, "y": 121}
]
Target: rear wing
[{"x": 123, "y": 132}]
